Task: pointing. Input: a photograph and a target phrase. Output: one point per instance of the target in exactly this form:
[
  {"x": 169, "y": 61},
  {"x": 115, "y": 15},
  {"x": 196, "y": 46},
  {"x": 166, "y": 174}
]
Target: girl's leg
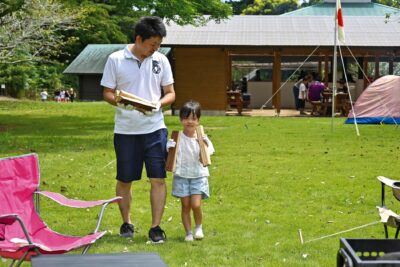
[
  {"x": 195, "y": 203},
  {"x": 185, "y": 214}
]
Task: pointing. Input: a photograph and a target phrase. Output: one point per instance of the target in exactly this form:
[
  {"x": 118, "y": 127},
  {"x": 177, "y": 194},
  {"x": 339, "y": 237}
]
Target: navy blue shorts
[{"x": 134, "y": 150}]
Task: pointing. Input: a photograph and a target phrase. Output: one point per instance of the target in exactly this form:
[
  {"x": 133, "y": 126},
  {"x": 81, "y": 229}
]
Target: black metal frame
[{"x": 383, "y": 206}]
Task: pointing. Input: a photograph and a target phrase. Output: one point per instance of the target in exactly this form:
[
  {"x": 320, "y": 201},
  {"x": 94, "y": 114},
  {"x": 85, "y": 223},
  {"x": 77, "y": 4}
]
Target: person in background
[
  {"x": 303, "y": 94},
  {"x": 72, "y": 94},
  {"x": 57, "y": 97},
  {"x": 62, "y": 95},
  {"x": 190, "y": 182},
  {"x": 295, "y": 89},
  {"x": 141, "y": 138},
  {"x": 44, "y": 95},
  {"x": 315, "y": 89},
  {"x": 66, "y": 96},
  {"x": 243, "y": 86},
  {"x": 314, "y": 95}
]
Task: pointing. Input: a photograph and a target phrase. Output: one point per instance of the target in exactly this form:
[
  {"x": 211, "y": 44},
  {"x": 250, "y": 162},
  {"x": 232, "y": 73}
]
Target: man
[{"x": 141, "y": 138}]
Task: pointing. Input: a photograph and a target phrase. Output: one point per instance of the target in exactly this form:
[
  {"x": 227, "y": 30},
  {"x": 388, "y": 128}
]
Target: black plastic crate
[{"x": 368, "y": 252}]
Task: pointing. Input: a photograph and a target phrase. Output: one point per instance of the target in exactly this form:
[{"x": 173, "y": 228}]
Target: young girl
[{"x": 190, "y": 182}]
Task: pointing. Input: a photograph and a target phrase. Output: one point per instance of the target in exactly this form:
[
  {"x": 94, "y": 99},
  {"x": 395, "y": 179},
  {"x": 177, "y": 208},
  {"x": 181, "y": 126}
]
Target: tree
[
  {"x": 310, "y": 3},
  {"x": 186, "y": 12},
  {"x": 31, "y": 31},
  {"x": 270, "y": 7},
  {"x": 392, "y": 3},
  {"x": 239, "y": 6},
  {"x": 9, "y": 6}
]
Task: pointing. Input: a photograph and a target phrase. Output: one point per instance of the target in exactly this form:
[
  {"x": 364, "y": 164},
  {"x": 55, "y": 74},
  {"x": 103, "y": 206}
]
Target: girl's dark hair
[
  {"x": 151, "y": 26},
  {"x": 190, "y": 107}
]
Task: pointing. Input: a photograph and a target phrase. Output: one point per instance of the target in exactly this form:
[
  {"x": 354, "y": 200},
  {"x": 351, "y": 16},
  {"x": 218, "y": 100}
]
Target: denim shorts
[
  {"x": 184, "y": 187},
  {"x": 134, "y": 150}
]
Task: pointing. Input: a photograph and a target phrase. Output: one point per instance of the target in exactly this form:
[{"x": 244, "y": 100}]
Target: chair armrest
[
  {"x": 74, "y": 203},
  {"x": 389, "y": 182},
  {"x": 8, "y": 219}
]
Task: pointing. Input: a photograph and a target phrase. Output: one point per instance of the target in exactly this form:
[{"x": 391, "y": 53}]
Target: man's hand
[
  {"x": 154, "y": 110},
  {"x": 125, "y": 106},
  {"x": 141, "y": 110},
  {"x": 158, "y": 106}
]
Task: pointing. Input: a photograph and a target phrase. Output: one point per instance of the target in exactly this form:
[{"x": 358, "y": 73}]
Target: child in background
[
  {"x": 303, "y": 94},
  {"x": 190, "y": 182}
]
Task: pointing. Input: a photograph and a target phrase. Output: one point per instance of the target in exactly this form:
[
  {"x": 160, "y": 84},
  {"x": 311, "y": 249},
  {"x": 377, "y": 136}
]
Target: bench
[{"x": 235, "y": 100}]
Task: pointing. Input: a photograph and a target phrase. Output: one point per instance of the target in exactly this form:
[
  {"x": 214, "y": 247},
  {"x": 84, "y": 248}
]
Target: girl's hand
[
  {"x": 170, "y": 144},
  {"x": 206, "y": 140}
]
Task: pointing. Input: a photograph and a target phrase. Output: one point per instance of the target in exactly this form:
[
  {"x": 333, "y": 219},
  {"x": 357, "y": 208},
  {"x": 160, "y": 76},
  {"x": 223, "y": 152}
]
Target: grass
[{"x": 269, "y": 178}]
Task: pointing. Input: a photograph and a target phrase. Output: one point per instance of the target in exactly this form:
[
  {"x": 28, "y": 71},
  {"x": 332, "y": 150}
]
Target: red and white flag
[{"x": 339, "y": 18}]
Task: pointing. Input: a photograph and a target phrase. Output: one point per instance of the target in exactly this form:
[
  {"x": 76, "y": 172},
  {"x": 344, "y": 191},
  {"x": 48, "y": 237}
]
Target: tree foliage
[
  {"x": 270, "y": 7},
  {"x": 31, "y": 30},
  {"x": 311, "y": 3},
  {"x": 239, "y": 6},
  {"x": 9, "y": 6},
  {"x": 186, "y": 12},
  {"x": 392, "y": 3}
]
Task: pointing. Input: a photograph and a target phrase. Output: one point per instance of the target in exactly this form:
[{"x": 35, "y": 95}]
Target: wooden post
[
  {"x": 276, "y": 81},
  {"x": 326, "y": 70},
  {"x": 204, "y": 156},
  {"x": 172, "y": 152},
  {"x": 376, "y": 66},
  {"x": 391, "y": 61},
  {"x": 365, "y": 68}
]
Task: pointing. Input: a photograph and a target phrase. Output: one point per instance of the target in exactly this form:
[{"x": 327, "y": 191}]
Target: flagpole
[{"x": 334, "y": 78}]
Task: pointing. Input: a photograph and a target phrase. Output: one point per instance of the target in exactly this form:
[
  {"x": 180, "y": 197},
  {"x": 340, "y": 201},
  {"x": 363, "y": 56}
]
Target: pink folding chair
[{"x": 23, "y": 234}]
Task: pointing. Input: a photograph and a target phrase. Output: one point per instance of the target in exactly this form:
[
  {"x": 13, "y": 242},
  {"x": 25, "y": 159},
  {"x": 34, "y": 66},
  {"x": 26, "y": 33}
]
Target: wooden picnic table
[{"x": 341, "y": 103}]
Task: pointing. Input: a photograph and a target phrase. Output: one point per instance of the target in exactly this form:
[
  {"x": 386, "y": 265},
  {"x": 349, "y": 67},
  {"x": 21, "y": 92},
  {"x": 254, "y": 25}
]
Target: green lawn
[{"x": 269, "y": 178}]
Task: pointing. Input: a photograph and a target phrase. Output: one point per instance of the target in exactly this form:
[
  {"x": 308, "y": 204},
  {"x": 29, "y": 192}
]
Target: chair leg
[
  {"x": 386, "y": 231},
  {"x": 12, "y": 263},
  {"x": 86, "y": 249},
  {"x": 22, "y": 258}
]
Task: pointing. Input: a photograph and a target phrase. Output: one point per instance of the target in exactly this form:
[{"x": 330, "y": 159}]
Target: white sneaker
[
  {"x": 198, "y": 233},
  {"x": 189, "y": 238}
]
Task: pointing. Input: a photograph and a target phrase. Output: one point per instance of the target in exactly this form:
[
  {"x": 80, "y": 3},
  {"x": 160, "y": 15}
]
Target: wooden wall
[
  {"x": 90, "y": 88},
  {"x": 201, "y": 74}
]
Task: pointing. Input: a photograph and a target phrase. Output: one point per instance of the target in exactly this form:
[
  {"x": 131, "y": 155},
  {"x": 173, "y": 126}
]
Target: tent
[{"x": 379, "y": 103}]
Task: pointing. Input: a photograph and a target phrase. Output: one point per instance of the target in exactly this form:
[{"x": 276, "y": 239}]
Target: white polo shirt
[{"x": 122, "y": 72}]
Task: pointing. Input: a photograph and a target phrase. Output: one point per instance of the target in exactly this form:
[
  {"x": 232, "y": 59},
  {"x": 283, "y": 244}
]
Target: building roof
[
  {"x": 288, "y": 31},
  {"x": 94, "y": 57},
  {"x": 348, "y": 9}
]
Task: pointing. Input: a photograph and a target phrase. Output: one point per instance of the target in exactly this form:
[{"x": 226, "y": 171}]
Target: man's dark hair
[
  {"x": 190, "y": 107},
  {"x": 151, "y": 26}
]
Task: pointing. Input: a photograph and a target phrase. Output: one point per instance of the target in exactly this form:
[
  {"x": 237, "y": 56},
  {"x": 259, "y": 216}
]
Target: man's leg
[
  {"x": 158, "y": 193},
  {"x": 128, "y": 151},
  {"x": 124, "y": 190},
  {"x": 155, "y": 152}
]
